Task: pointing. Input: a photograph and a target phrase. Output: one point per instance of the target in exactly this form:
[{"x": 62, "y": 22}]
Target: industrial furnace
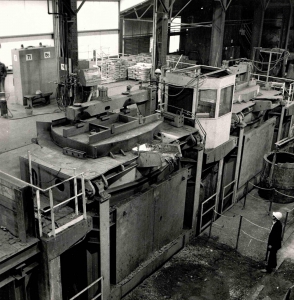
[{"x": 132, "y": 190}]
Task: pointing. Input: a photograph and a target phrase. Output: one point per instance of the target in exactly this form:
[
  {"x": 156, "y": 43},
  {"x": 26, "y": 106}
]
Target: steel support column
[
  {"x": 49, "y": 282},
  {"x": 164, "y": 34},
  {"x": 160, "y": 32},
  {"x": 286, "y": 25},
  {"x": 56, "y": 34},
  {"x": 154, "y": 32},
  {"x": 217, "y": 33},
  {"x": 289, "y": 27},
  {"x": 55, "y": 278},
  {"x": 104, "y": 246},
  {"x": 121, "y": 36},
  {"x": 257, "y": 29},
  {"x": 73, "y": 36}
]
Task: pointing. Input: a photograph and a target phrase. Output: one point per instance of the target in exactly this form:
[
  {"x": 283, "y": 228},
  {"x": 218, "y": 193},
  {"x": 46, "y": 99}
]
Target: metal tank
[{"x": 278, "y": 173}]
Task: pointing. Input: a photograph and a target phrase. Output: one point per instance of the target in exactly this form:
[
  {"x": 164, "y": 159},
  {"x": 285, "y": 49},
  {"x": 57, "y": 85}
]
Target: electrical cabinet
[{"x": 34, "y": 68}]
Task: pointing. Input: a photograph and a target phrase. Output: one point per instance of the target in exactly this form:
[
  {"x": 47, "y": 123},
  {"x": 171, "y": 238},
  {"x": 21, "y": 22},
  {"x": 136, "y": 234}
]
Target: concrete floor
[{"x": 255, "y": 227}]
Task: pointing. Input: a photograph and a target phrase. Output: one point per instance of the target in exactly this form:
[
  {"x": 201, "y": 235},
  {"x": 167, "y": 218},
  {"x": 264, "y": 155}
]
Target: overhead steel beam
[
  {"x": 171, "y": 9},
  {"x": 140, "y": 20},
  {"x": 146, "y": 10},
  {"x": 163, "y": 5},
  {"x": 136, "y": 13},
  {"x": 181, "y": 10},
  {"x": 266, "y": 4},
  {"x": 222, "y": 5},
  {"x": 228, "y": 4},
  {"x": 131, "y": 9},
  {"x": 80, "y": 6},
  {"x": 225, "y": 7}
]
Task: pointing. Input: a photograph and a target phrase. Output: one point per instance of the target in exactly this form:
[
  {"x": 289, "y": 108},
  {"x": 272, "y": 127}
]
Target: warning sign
[
  {"x": 29, "y": 56},
  {"x": 63, "y": 67},
  {"x": 47, "y": 54}
]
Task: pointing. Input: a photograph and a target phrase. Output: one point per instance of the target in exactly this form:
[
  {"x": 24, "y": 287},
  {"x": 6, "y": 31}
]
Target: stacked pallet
[
  {"x": 136, "y": 67},
  {"x": 132, "y": 72},
  {"x": 103, "y": 67},
  {"x": 144, "y": 58},
  {"x": 113, "y": 68},
  {"x": 140, "y": 71}
]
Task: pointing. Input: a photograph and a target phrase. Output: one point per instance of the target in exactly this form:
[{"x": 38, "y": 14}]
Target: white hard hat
[
  {"x": 38, "y": 92},
  {"x": 277, "y": 215},
  {"x": 157, "y": 71}
]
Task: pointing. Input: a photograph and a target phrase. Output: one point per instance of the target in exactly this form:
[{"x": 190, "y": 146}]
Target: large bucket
[{"x": 282, "y": 178}]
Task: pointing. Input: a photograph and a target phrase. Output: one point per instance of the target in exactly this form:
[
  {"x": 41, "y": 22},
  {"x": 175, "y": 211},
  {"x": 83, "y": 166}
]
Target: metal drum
[{"x": 278, "y": 173}]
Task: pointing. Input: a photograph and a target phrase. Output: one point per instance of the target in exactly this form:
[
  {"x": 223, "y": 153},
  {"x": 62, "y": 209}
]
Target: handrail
[
  {"x": 289, "y": 91},
  {"x": 201, "y": 129},
  {"x": 279, "y": 78},
  {"x": 47, "y": 189},
  {"x": 52, "y": 206},
  {"x": 202, "y": 214},
  {"x": 229, "y": 194},
  {"x": 86, "y": 288}
]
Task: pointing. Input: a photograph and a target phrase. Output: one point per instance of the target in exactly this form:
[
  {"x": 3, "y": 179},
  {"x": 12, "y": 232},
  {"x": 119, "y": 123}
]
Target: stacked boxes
[
  {"x": 113, "y": 68},
  {"x": 132, "y": 72},
  {"x": 140, "y": 71},
  {"x": 136, "y": 67}
]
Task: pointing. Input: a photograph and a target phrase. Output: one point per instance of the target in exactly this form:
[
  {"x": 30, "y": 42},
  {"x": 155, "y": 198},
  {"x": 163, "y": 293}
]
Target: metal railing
[
  {"x": 228, "y": 195},
  {"x": 208, "y": 210},
  {"x": 283, "y": 88},
  {"x": 89, "y": 286},
  {"x": 55, "y": 230}
]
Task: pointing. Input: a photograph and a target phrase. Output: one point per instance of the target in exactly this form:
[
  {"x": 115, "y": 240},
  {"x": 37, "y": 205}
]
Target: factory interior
[{"x": 129, "y": 128}]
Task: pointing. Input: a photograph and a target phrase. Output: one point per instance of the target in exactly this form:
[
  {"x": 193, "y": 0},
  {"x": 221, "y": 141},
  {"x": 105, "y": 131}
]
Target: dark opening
[
  {"x": 282, "y": 158},
  {"x": 60, "y": 186},
  {"x": 179, "y": 98}
]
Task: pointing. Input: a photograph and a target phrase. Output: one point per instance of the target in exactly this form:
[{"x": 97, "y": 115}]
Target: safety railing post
[
  {"x": 271, "y": 202},
  {"x": 210, "y": 227},
  {"x": 239, "y": 230},
  {"x": 52, "y": 212},
  {"x": 84, "y": 197},
  {"x": 76, "y": 193},
  {"x": 201, "y": 215},
  {"x": 245, "y": 194},
  {"x": 39, "y": 213},
  {"x": 285, "y": 222},
  {"x": 30, "y": 167}
]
